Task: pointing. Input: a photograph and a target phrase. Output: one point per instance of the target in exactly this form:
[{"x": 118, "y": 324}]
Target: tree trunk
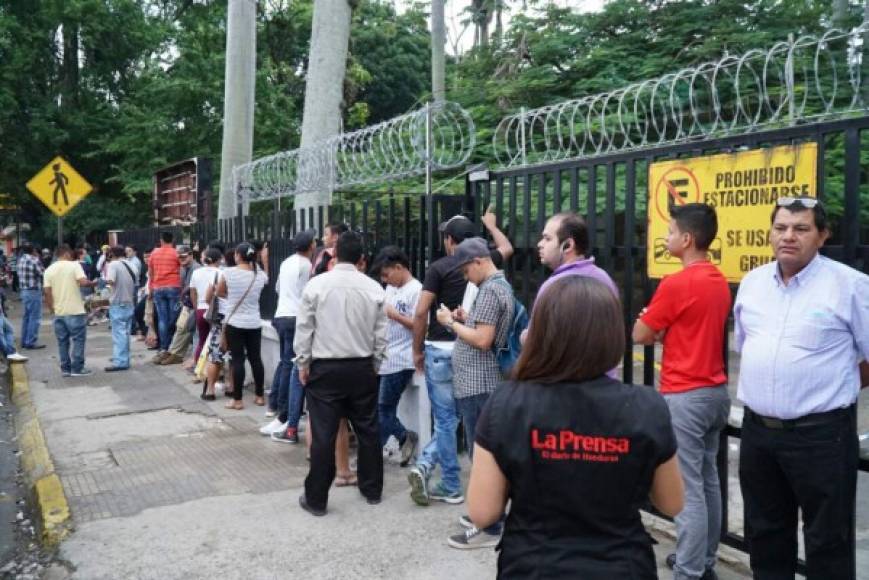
[
  {"x": 238, "y": 107},
  {"x": 70, "y": 64},
  {"x": 840, "y": 14},
  {"x": 438, "y": 41},
  {"x": 324, "y": 88}
]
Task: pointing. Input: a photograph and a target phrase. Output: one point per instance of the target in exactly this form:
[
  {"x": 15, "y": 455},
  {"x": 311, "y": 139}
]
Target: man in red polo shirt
[
  {"x": 688, "y": 314},
  {"x": 164, "y": 284}
]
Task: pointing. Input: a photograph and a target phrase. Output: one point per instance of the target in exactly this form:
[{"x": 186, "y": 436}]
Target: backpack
[{"x": 508, "y": 353}]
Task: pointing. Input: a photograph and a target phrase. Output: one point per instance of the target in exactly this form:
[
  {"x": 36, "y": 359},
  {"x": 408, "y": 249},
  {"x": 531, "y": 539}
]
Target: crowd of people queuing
[{"x": 564, "y": 455}]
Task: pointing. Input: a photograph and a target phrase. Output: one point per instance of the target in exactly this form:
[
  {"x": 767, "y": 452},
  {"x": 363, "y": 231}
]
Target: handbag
[
  {"x": 212, "y": 315},
  {"x": 224, "y": 342}
]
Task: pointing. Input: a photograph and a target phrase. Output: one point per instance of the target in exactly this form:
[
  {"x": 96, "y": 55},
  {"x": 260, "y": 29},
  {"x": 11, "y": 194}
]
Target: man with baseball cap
[
  {"x": 444, "y": 284},
  {"x": 287, "y": 395},
  {"x": 475, "y": 367}
]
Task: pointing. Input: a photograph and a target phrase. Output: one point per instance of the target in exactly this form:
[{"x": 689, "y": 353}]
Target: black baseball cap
[
  {"x": 458, "y": 227},
  {"x": 304, "y": 239},
  {"x": 471, "y": 249}
]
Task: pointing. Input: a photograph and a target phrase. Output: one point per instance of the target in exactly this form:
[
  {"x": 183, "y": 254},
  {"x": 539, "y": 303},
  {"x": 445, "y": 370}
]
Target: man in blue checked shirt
[
  {"x": 30, "y": 271},
  {"x": 802, "y": 328}
]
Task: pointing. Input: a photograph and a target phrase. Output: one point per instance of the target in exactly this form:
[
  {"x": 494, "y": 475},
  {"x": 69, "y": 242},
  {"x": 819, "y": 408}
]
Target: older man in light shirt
[
  {"x": 340, "y": 343},
  {"x": 802, "y": 328}
]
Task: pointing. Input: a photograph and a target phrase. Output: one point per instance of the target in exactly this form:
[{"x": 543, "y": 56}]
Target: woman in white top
[
  {"x": 241, "y": 286},
  {"x": 200, "y": 280}
]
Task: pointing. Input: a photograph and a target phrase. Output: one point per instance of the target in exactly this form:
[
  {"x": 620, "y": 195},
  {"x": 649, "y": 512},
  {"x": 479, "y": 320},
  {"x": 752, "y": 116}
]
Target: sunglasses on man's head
[{"x": 806, "y": 202}]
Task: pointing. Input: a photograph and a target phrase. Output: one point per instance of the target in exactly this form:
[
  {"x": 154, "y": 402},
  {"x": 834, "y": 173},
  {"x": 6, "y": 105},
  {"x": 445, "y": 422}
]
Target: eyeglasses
[{"x": 806, "y": 202}]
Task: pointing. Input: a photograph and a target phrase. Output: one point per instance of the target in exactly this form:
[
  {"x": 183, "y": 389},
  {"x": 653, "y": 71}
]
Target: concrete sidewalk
[{"x": 164, "y": 485}]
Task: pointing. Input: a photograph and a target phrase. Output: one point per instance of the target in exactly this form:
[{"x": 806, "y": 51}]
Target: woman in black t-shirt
[{"x": 577, "y": 453}]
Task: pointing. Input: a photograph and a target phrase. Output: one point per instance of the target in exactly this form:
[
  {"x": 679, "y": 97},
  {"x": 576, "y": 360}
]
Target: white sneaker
[
  {"x": 15, "y": 357},
  {"x": 274, "y": 427}
]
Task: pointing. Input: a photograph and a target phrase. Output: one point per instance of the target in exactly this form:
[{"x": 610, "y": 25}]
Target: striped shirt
[
  {"x": 399, "y": 339},
  {"x": 164, "y": 268},
  {"x": 801, "y": 343}
]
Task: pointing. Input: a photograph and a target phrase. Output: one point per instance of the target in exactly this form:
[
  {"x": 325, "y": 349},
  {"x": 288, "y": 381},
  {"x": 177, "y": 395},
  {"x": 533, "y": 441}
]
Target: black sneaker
[
  {"x": 81, "y": 373},
  {"x": 289, "y": 435},
  {"x": 708, "y": 574},
  {"x": 473, "y": 539}
]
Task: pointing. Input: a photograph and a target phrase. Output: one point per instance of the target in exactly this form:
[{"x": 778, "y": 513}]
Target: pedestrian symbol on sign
[
  {"x": 60, "y": 180},
  {"x": 59, "y": 186}
]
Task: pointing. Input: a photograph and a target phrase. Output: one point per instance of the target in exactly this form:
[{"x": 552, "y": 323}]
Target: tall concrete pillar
[
  {"x": 438, "y": 43},
  {"x": 238, "y": 106},
  {"x": 324, "y": 86}
]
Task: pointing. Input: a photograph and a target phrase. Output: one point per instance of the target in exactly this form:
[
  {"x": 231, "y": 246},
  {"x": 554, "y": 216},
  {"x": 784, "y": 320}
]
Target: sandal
[
  {"x": 208, "y": 397},
  {"x": 346, "y": 481},
  {"x": 259, "y": 401},
  {"x": 234, "y": 406}
]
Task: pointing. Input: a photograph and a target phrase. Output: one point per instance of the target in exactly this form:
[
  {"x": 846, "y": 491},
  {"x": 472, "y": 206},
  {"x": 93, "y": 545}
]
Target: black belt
[{"x": 813, "y": 420}]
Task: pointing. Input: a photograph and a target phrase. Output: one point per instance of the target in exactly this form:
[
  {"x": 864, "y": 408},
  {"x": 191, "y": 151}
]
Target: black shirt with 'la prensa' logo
[{"x": 579, "y": 459}]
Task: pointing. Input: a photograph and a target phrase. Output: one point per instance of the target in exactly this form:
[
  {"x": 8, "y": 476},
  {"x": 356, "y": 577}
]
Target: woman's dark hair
[
  {"x": 247, "y": 252},
  {"x": 229, "y": 257},
  {"x": 212, "y": 256},
  {"x": 576, "y": 333}
]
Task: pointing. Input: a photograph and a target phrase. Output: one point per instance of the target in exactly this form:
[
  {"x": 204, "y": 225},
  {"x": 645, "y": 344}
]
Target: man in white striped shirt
[{"x": 402, "y": 294}]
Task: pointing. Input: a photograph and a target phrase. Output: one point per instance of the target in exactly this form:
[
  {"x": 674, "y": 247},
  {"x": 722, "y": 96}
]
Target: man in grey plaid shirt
[
  {"x": 475, "y": 366},
  {"x": 30, "y": 271}
]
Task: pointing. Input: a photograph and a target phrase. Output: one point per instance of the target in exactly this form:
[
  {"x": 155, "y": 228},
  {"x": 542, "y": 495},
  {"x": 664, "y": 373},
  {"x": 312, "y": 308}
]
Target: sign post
[
  {"x": 743, "y": 188},
  {"x": 60, "y": 187}
]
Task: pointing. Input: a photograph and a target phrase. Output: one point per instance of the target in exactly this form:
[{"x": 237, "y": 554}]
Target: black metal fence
[{"x": 611, "y": 191}]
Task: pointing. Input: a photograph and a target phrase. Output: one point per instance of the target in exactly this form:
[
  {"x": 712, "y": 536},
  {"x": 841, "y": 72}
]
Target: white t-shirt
[
  {"x": 294, "y": 274},
  {"x": 201, "y": 279},
  {"x": 237, "y": 282},
  {"x": 399, "y": 340}
]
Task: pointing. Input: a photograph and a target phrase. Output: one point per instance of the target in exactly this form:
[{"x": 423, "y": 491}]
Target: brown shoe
[
  {"x": 171, "y": 359},
  {"x": 158, "y": 358}
]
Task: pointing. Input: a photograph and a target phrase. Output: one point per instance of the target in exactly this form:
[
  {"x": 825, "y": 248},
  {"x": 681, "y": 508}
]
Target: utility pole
[
  {"x": 438, "y": 42},
  {"x": 840, "y": 14},
  {"x": 238, "y": 107}
]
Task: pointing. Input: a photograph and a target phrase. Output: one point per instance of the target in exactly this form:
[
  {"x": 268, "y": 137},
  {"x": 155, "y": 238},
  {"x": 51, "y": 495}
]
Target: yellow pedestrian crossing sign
[{"x": 59, "y": 186}]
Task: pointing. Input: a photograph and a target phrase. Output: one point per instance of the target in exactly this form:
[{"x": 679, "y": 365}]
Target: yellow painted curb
[{"x": 52, "y": 511}]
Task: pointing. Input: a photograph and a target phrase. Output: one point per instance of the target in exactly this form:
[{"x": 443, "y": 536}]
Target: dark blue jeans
[
  {"x": 287, "y": 392},
  {"x": 71, "y": 328},
  {"x": 167, "y": 303},
  {"x": 470, "y": 409},
  {"x": 32, "y": 299},
  {"x": 391, "y": 388}
]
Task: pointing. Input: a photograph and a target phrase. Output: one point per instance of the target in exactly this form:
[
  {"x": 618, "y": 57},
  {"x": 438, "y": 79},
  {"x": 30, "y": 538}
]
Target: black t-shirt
[
  {"x": 445, "y": 280},
  {"x": 579, "y": 459}
]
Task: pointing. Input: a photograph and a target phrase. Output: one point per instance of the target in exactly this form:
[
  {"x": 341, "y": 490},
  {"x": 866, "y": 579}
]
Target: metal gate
[{"x": 611, "y": 191}]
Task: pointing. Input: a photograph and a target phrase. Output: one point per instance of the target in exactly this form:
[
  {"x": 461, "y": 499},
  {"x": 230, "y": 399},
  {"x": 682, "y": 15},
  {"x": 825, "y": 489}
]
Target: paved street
[{"x": 163, "y": 485}]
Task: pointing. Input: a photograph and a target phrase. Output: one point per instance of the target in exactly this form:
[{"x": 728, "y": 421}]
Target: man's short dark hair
[
  {"x": 392, "y": 256},
  {"x": 27, "y": 248},
  {"x": 134, "y": 248},
  {"x": 572, "y": 227},
  {"x": 697, "y": 219},
  {"x": 166, "y": 236},
  {"x": 117, "y": 251},
  {"x": 349, "y": 247},
  {"x": 577, "y": 333},
  {"x": 63, "y": 250},
  {"x": 819, "y": 213},
  {"x": 337, "y": 228}
]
